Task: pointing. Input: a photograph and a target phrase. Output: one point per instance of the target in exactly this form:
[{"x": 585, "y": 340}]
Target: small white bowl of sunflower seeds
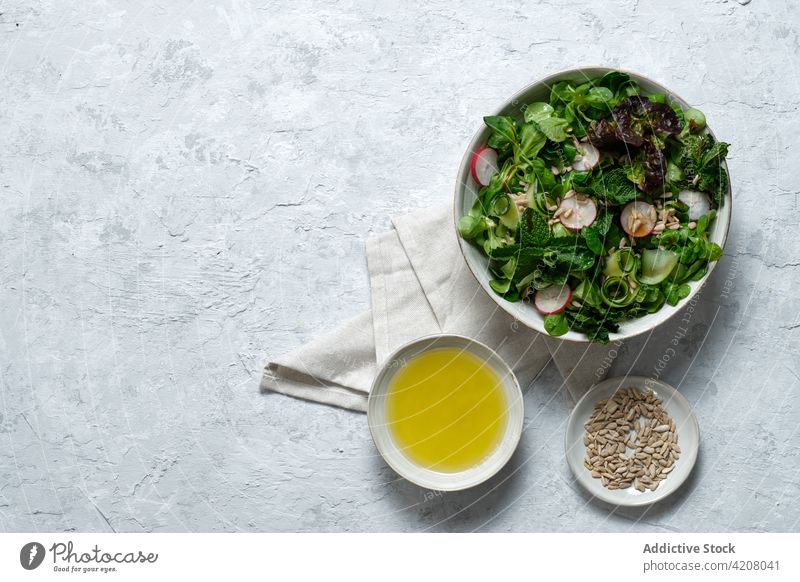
[{"x": 632, "y": 440}]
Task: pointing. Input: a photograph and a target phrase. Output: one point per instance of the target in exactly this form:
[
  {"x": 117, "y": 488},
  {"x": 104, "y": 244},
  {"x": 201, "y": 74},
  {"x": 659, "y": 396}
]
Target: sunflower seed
[{"x": 631, "y": 419}]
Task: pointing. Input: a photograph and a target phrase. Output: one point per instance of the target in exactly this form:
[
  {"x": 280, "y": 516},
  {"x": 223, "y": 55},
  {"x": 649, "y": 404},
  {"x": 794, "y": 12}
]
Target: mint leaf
[
  {"x": 533, "y": 229},
  {"x": 574, "y": 259},
  {"x": 603, "y": 221},
  {"x": 614, "y": 186}
]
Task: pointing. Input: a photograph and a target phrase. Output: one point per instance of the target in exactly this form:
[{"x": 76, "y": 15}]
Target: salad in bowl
[{"x": 593, "y": 204}]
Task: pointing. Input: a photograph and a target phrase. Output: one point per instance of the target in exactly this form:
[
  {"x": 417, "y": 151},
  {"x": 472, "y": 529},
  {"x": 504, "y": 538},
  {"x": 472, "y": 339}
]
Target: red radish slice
[
  {"x": 587, "y": 158},
  {"x": 698, "y": 203},
  {"x": 577, "y": 211},
  {"x": 484, "y": 165},
  {"x": 552, "y": 299},
  {"x": 638, "y": 218}
]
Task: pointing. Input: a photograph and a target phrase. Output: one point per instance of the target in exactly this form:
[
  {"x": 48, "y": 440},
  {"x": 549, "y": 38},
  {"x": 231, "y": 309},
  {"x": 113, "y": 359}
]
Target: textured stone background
[{"x": 187, "y": 189}]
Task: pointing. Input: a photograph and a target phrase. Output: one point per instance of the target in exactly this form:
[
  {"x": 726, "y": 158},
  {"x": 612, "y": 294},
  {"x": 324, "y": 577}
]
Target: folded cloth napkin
[{"x": 421, "y": 285}]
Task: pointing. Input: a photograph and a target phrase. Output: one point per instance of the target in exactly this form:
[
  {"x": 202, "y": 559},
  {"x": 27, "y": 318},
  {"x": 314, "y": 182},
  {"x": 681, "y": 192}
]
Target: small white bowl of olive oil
[{"x": 445, "y": 412}]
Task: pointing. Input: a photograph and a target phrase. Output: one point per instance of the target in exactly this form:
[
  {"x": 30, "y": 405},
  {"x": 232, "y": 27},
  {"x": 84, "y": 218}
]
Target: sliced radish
[
  {"x": 484, "y": 165},
  {"x": 698, "y": 203},
  {"x": 577, "y": 211},
  {"x": 638, "y": 218},
  {"x": 552, "y": 299},
  {"x": 587, "y": 158}
]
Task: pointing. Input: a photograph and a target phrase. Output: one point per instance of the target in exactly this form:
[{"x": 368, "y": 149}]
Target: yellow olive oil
[{"x": 446, "y": 409}]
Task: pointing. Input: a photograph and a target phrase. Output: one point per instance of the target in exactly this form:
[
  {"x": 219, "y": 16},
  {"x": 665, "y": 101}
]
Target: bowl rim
[
  {"x": 518, "y": 96},
  {"x": 514, "y": 427}
]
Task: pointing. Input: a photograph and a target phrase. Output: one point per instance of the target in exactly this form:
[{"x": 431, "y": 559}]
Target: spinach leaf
[
  {"x": 595, "y": 323},
  {"x": 704, "y": 221},
  {"x": 593, "y": 239},
  {"x": 488, "y": 193},
  {"x": 620, "y": 84},
  {"x": 674, "y": 292},
  {"x": 543, "y": 175},
  {"x": 555, "y": 128},
  {"x": 595, "y": 235},
  {"x": 500, "y": 286},
  {"x": 470, "y": 227},
  {"x": 561, "y": 94},
  {"x": 556, "y": 324},
  {"x": 690, "y": 245},
  {"x": 504, "y": 131},
  {"x": 537, "y": 111},
  {"x": 579, "y": 105},
  {"x": 531, "y": 141},
  {"x": 545, "y": 118},
  {"x": 714, "y": 251},
  {"x": 600, "y": 97}
]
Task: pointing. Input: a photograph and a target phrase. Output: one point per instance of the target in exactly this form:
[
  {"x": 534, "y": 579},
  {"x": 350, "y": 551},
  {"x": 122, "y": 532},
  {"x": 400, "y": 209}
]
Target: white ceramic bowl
[
  {"x": 466, "y": 192},
  {"x": 679, "y": 410},
  {"x": 391, "y": 452}
]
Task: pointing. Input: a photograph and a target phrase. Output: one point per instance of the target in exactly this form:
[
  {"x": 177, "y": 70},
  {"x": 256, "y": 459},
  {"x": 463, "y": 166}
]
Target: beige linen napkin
[{"x": 421, "y": 285}]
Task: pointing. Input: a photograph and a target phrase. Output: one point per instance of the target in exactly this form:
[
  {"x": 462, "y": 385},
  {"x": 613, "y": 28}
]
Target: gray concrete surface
[{"x": 187, "y": 188}]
